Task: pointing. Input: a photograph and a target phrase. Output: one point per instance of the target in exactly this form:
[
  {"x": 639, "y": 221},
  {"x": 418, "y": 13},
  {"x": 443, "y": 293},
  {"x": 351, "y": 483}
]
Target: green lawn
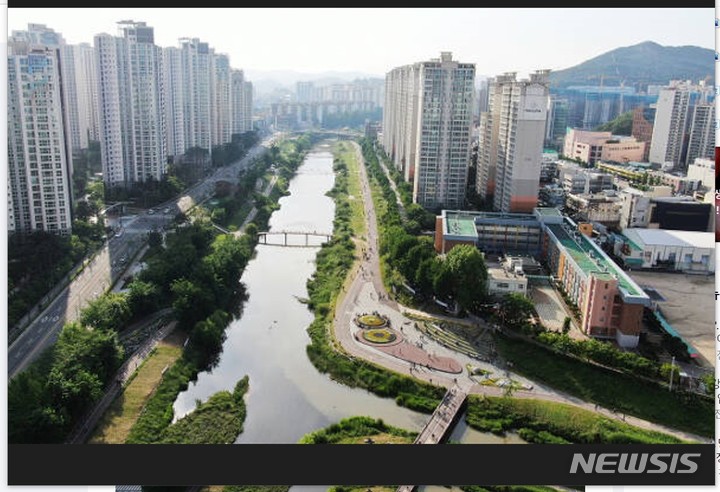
[
  {"x": 549, "y": 422},
  {"x": 346, "y": 153},
  {"x": 612, "y": 390},
  {"x": 115, "y": 425}
]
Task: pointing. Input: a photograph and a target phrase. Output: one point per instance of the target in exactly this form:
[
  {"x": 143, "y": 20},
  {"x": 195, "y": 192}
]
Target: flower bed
[
  {"x": 372, "y": 321},
  {"x": 379, "y": 335}
]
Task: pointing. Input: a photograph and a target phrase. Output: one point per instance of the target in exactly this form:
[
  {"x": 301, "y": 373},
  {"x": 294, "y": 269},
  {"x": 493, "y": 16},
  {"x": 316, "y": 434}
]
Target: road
[{"x": 110, "y": 264}]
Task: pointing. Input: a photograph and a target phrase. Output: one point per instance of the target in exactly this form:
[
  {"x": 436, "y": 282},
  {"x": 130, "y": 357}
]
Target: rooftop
[
  {"x": 663, "y": 237},
  {"x": 591, "y": 260},
  {"x": 460, "y": 224},
  {"x": 548, "y": 212}
]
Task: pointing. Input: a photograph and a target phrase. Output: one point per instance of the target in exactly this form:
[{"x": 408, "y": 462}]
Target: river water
[{"x": 288, "y": 397}]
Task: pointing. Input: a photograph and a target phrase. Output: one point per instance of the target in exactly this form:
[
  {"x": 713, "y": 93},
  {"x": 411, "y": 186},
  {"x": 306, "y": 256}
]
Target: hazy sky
[{"x": 376, "y": 40}]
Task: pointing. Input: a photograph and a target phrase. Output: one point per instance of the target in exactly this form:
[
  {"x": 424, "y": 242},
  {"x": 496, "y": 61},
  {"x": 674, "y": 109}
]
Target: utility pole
[{"x": 672, "y": 368}]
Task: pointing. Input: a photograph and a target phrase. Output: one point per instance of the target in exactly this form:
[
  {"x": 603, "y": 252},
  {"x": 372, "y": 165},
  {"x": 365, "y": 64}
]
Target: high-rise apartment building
[
  {"x": 247, "y": 112},
  {"x": 511, "y": 141},
  {"x": 557, "y": 121},
  {"x": 426, "y": 127},
  {"x": 197, "y": 84},
  {"x": 701, "y": 142},
  {"x": 671, "y": 128},
  {"x": 77, "y": 67},
  {"x": 173, "y": 84},
  {"x": 87, "y": 95},
  {"x": 131, "y": 105},
  {"x": 39, "y": 173},
  {"x": 222, "y": 104},
  {"x": 242, "y": 100}
]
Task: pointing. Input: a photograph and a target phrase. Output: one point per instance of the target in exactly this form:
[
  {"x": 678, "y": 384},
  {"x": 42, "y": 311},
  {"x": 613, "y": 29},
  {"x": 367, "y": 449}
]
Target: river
[{"x": 288, "y": 397}]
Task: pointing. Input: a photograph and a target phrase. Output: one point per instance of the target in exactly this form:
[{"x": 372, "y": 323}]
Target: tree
[
  {"x": 426, "y": 272},
  {"x": 108, "y": 312},
  {"x": 251, "y": 230},
  {"x": 443, "y": 284},
  {"x": 621, "y": 125},
  {"x": 514, "y": 311},
  {"x": 467, "y": 268},
  {"x": 425, "y": 219},
  {"x": 410, "y": 261},
  {"x": 154, "y": 239},
  {"x": 208, "y": 335},
  {"x": 191, "y": 303},
  {"x": 144, "y": 297},
  {"x": 84, "y": 361}
]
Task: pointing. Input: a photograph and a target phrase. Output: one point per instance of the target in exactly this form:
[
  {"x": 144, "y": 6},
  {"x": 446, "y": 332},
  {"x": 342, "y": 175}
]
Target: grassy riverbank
[
  {"x": 216, "y": 421},
  {"x": 356, "y": 430},
  {"x": 333, "y": 263},
  {"x": 539, "y": 421},
  {"x": 647, "y": 401},
  {"x": 115, "y": 425}
]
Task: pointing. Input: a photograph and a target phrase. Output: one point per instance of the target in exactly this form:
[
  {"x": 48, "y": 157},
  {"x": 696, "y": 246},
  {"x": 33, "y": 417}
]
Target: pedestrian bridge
[
  {"x": 303, "y": 236},
  {"x": 441, "y": 423}
]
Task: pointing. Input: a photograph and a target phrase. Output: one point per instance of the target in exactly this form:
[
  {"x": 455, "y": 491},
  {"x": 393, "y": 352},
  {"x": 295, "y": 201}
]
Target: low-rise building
[
  {"x": 703, "y": 170},
  {"x": 685, "y": 251},
  {"x": 552, "y": 195},
  {"x": 503, "y": 279},
  {"x": 595, "y": 207},
  {"x": 591, "y": 147},
  {"x": 656, "y": 210},
  {"x": 576, "y": 179},
  {"x": 610, "y": 302}
]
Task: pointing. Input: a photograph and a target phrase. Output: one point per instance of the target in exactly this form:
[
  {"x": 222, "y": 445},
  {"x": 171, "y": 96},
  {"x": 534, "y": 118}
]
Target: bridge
[
  {"x": 262, "y": 238},
  {"x": 441, "y": 423}
]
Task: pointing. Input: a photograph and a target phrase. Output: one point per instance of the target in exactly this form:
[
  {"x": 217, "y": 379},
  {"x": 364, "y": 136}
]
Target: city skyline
[{"x": 356, "y": 40}]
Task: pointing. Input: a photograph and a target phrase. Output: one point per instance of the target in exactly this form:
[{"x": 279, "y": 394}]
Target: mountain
[{"x": 640, "y": 65}]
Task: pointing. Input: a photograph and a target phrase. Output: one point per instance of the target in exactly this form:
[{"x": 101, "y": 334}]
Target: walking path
[
  {"x": 393, "y": 185},
  {"x": 81, "y": 433},
  {"x": 366, "y": 294},
  {"x": 254, "y": 211}
]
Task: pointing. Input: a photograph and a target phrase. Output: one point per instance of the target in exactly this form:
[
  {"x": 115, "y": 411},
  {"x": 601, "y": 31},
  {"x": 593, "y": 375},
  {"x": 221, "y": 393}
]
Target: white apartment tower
[
  {"x": 241, "y": 102},
  {"x": 222, "y": 104},
  {"x": 41, "y": 35},
  {"x": 87, "y": 96},
  {"x": 400, "y": 118},
  {"x": 196, "y": 65},
  {"x": 174, "y": 101},
  {"x": 247, "y": 106},
  {"x": 39, "y": 173},
  {"x": 426, "y": 127},
  {"x": 511, "y": 141},
  {"x": 673, "y": 124},
  {"x": 701, "y": 143},
  {"x": 131, "y": 105}
]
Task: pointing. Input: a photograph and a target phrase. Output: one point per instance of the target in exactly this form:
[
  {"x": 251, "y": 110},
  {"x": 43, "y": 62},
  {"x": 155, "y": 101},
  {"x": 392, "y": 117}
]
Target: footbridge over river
[
  {"x": 263, "y": 238},
  {"x": 441, "y": 423}
]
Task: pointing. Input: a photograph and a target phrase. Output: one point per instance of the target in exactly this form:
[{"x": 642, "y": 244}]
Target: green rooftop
[
  {"x": 457, "y": 224},
  {"x": 597, "y": 265}
]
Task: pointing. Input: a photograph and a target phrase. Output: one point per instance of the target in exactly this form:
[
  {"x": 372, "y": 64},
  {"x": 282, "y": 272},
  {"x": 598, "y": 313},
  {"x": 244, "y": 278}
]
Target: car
[
  {"x": 151, "y": 211},
  {"x": 166, "y": 210}
]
